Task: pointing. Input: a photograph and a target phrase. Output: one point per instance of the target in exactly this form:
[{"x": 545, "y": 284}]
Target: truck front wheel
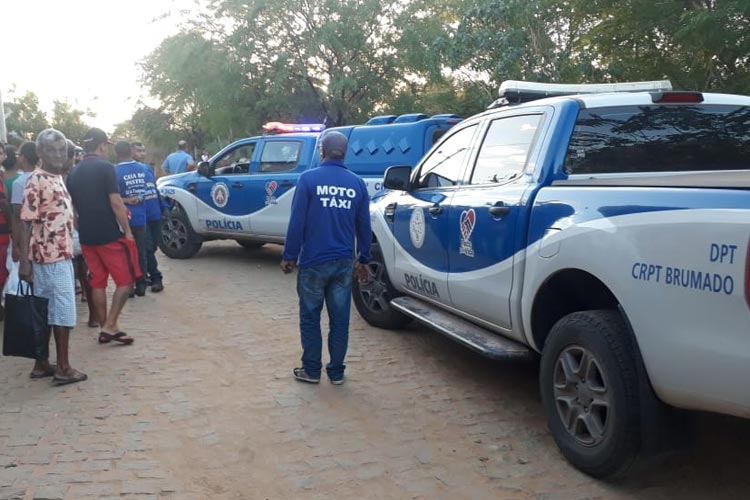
[
  {"x": 178, "y": 240},
  {"x": 590, "y": 393},
  {"x": 373, "y": 299}
]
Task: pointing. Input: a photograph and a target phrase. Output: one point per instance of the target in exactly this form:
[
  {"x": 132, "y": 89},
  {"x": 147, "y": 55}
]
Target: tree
[
  {"x": 24, "y": 118},
  {"x": 68, "y": 120}
]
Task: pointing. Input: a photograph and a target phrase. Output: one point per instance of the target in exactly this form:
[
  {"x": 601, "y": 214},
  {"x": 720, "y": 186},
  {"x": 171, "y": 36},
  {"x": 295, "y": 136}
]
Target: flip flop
[
  {"x": 71, "y": 378},
  {"x": 44, "y": 374},
  {"x": 121, "y": 337}
]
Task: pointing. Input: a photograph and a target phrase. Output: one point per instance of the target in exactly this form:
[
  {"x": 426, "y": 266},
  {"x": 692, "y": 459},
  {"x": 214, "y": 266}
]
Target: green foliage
[
  {"x": 23, "y": 118},
  {"x": 68, "y": 120},
  {"x": 245, "y": 62}
]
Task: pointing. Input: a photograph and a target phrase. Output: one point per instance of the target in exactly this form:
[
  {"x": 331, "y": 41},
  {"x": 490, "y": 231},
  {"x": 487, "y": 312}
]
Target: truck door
[
  {"x": 223, "y": 204},
  {"x": 484, "y": 216},
  {"x": 421, "y": 224},
  {"x": 271, "y": 185}
]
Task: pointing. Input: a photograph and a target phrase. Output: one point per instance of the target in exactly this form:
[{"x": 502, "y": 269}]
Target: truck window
[
  {"x": 279, "y": 156},
  {"x": 443, "y": 167},
  {"x": 236, "y": 161},
  {"x": 660, "y": 138},
  {"x": 505, "y": 149}
]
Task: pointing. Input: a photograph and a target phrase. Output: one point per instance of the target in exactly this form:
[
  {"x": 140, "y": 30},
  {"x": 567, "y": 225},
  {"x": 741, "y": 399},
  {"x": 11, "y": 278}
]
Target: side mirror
[
  {"x": 398, "y": 178},
  {"x": 204, "y": 169}
]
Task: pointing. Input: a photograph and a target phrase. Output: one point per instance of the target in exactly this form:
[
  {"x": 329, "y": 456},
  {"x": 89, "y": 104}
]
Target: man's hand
[
  {"x": 25, "y": 272},
  {"x": 132, "y": 200},
  {"x": 288, "y": 266},
  {"x": 362, "y": 272},
  {"x": 129, "y": 234},
  {"x": 15, "y": 253}
]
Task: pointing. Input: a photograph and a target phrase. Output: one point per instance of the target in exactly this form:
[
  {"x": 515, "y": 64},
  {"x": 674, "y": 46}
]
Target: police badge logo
[
  {"x": 270, "y": 190},
  {"x": 417, "y": 228},
  {"x": 468, "y": 221},
  {"x": 220, "y": 194}
]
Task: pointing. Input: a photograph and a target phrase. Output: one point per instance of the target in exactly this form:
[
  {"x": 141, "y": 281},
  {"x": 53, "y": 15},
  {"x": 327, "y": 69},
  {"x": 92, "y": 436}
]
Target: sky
[{"x": 85, "y": 52}]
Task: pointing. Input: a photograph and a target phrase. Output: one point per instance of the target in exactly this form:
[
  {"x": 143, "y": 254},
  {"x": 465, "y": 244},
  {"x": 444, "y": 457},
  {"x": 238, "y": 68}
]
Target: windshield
[{"x": 660, "y": 138}]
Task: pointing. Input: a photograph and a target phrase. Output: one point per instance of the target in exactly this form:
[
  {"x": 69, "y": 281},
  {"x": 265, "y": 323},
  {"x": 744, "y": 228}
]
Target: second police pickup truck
[
  {"x": 606, "y": 229},
  {"x": 245, "y": 191}
]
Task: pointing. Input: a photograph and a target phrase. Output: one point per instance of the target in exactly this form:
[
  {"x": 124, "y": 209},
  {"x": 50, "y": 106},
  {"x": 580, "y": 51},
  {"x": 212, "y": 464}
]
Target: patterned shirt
[{"x": 48, "y": 207}]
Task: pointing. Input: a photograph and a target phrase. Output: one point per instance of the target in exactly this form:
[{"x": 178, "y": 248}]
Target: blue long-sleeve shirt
[{"x": 330, "y": 207}]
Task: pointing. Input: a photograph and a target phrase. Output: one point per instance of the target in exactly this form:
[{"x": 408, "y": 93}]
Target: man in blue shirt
[
  {"x": 179, "y": 161},
  {"x": 154, "y": 207},
  {"x": 131, "y": 179},
  {"x": 330, "y": 207}
]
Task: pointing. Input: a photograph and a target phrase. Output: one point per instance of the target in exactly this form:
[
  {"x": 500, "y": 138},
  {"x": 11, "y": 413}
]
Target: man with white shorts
[{"x": 46, "y": 246}]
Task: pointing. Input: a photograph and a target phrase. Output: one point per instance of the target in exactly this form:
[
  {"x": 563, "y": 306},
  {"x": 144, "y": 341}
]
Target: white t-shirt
[{"x": 16, "y": 197}]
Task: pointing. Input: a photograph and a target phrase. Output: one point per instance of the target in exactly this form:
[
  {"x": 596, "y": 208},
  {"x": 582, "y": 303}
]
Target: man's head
[
  {"x": 27, "y": 157},
  {"x": 138, "y": 151},
  {"x": 122, "y": 150},
  {"x": 182, "y": 145},
  {"x": 71, "y": 156},
  {"x": 333, "y": 146},
  {"x": 9, "y": 163},
  {"x": 52, "y": 147},
  {"x": 96, "y": 141}
]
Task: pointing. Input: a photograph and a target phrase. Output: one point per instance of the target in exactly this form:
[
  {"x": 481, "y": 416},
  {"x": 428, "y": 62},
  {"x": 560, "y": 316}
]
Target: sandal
[
  {"x": 121, "y": 337},
  {"x": 70, "y": 378},
  {"x": 43, "y": 374}
]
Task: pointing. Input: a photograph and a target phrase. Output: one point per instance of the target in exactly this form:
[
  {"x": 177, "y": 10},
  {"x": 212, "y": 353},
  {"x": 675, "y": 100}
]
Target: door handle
[
  {"x": 286, "y": 184},
  {"x": 435, "y": 210},
  {"x": 499, "y": 209},
  {"x": 237, "y": 185},
  {"x": 390, "y": 211}
]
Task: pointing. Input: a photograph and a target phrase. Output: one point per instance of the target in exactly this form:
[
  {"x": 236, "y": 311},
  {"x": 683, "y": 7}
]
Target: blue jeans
[{"x": 330, "y": 282}]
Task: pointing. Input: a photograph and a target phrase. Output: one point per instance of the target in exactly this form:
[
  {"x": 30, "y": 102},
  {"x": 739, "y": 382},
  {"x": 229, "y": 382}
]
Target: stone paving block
[
  {"x": 12, "y": 493},
  {"x": 56, "y": 492},
  {"x": 140, "y": 487}
]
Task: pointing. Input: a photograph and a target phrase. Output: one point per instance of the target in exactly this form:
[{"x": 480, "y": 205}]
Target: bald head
[{"x": 333, "y": 146}]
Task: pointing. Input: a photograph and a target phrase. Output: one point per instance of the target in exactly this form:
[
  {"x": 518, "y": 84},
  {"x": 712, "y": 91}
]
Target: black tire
[
  {"x": 373, "y": 300},
  {"x": 588, "y": 377},
  {"x": 178, "y": 240},
  {"x": 250, "y": 245}
]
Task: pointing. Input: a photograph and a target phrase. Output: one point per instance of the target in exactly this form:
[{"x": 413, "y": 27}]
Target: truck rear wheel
[
  {"x": 178, "y": 240},
  {"x": 589, "y": 389},
  {"x": 373, "y": 299}
]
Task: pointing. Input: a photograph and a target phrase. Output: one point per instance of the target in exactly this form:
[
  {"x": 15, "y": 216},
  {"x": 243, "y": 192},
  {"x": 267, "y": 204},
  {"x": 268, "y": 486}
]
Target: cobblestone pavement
[{"x": 203, "y": 406}]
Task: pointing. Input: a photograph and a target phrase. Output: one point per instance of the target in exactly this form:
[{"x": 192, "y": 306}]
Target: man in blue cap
[{"x": 330, "y": 207}]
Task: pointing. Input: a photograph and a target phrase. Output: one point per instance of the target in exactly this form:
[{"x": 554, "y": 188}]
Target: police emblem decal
[
  {"x": 468, "y": 221},
  {"x": 417, "y": 227},
  {"x": 220, "y": 194},
  {"x": 270, "y": 190}
]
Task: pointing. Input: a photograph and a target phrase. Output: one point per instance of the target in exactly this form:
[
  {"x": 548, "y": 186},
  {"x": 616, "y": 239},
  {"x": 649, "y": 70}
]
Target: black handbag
[{"x": 26, "y": 332}]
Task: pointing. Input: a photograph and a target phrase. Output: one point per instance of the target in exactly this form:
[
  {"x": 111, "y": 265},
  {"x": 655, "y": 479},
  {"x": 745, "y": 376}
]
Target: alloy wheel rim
[
  {"x": 374, "y": 292},
  {"x": 582, "y": 395},
  {"x": 175, "y": 234}
]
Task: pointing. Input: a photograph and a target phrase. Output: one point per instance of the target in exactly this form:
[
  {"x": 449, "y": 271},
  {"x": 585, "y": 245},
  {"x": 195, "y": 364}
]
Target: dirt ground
[{"x": 203, "y": 406}]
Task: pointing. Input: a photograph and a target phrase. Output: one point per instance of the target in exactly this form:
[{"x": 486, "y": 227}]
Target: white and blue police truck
[
  {"x": 603, "y": 228},
  {"x": 245, "y": 191}
]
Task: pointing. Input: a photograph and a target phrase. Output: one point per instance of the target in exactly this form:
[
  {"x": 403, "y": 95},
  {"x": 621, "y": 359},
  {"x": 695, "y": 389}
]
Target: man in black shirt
[{"x": 106, "y": 239}]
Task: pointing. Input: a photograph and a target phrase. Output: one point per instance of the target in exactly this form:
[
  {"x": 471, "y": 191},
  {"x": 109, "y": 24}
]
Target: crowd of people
[{"x": 67, "y": 214}]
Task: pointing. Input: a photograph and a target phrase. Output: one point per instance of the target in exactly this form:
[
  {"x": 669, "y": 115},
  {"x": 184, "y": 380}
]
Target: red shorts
[{"x": 118, "y": 259}]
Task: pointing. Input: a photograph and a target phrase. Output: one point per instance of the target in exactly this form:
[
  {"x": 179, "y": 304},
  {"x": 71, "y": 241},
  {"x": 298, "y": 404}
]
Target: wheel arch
[{"x": 572, "y": 290}]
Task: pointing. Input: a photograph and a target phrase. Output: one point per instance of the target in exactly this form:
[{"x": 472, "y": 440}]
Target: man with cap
[
  {"x": 106, "y": 239},
  {"x": 179, "y": 161},
  {"x": 330, "y": 208}
]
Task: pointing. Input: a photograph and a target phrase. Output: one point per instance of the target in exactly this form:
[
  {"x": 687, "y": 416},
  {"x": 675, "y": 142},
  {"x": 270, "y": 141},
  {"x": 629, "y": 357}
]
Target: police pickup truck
[
  {"x": 245, "y": 191},
  {"x": 605, "y": 228}
]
